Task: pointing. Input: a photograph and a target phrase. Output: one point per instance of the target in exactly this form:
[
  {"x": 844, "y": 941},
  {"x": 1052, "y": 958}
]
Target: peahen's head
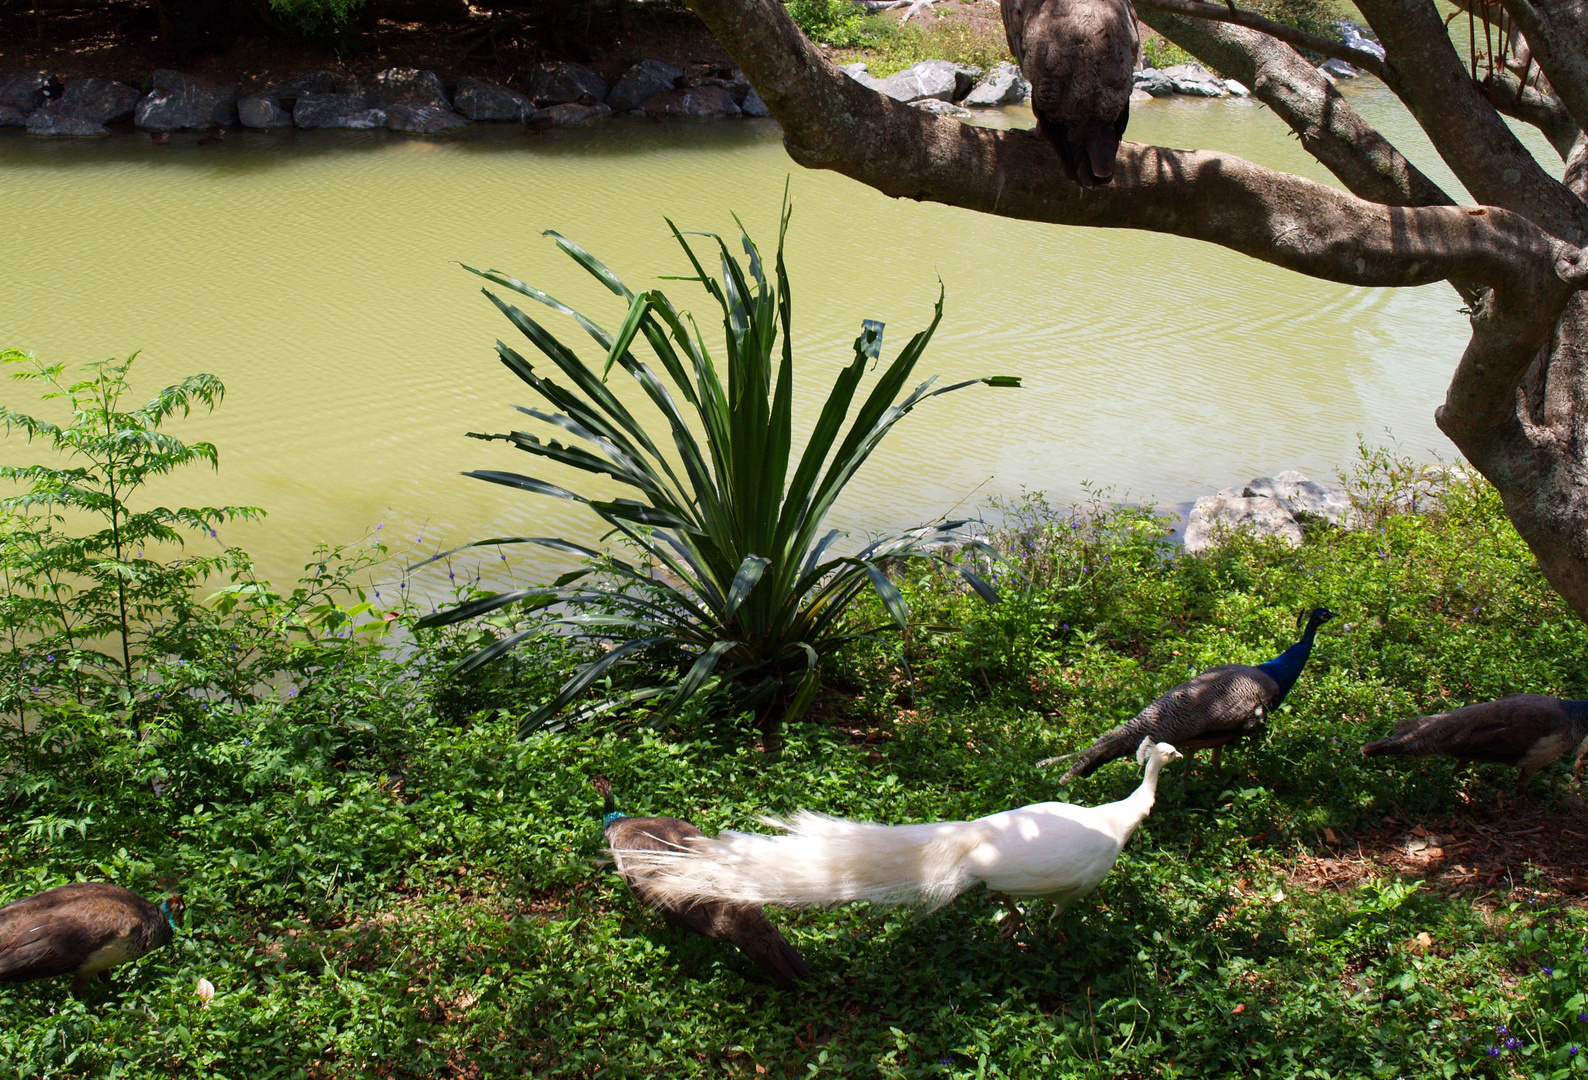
[
  {"x": 609, "y": 806},
  {"x": 173, "y": 909}
]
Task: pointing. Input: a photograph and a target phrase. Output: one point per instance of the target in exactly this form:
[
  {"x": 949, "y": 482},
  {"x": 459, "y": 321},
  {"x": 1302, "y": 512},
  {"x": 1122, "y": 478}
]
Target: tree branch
[
  {"x": 1556, "y": 34},
  {"x": 832, "y": 122},
  {"x": 1305, "y": 99},
  {"x": 1301, "y": 39},
  {"x": 1454, "y": 111},
  {"x": 1544, "y": 111}
]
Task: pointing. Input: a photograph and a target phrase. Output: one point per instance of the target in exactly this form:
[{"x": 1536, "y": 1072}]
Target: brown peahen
[
  {"x": 745, "y": 925},
  {"x": 1080, "y": 58},
  {"x": 1525, "y": 730},
  {"x": 1216, "y": 707},
  {"x": 81, "y": 930}
]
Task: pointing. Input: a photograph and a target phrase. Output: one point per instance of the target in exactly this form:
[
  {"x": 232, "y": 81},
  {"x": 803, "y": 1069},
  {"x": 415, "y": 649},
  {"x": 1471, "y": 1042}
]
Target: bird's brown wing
[
  {"x": 55, "y": 932},
  {"x": 744, "y": 925},
  {"x": 1015, "y": 13},
  {"x": 1502, "y": 732}
]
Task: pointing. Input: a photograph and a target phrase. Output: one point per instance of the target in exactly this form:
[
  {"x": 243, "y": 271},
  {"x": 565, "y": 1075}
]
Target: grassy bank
[{"x": 382, "y": 880}]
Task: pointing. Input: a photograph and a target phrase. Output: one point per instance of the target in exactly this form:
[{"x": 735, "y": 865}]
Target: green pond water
[{"x": 316, "y": 273}]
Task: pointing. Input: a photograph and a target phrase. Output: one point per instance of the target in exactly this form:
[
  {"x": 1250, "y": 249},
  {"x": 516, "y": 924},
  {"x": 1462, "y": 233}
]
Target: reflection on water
[{"x": 316, "y": 273}]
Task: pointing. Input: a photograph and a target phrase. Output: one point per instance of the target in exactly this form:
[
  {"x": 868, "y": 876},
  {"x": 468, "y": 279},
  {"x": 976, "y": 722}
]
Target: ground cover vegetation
[{"x": 384, "y": 879}]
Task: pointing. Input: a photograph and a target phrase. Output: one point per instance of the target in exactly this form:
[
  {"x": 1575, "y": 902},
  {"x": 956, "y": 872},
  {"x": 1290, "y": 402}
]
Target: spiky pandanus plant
[{"x": 748, "y": 594}]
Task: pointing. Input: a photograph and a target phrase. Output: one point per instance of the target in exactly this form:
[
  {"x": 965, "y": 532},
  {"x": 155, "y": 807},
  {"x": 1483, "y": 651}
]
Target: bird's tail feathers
[
  {"x": 1087, "y": 150},
  {"x": 1115, "y": 744},
  {"x": 775, "y": 956},
  {"x": 1403, "y": 742},
  {"x": 820, "y": 861}
]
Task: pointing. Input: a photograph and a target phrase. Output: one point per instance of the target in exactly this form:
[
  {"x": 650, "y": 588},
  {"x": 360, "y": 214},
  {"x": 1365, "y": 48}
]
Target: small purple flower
[
  {"x": 157, "y": 693},
  {"x": 1572, "y": 1050},
  {"x": 1548, "y": 970},
  {"x": 451, "y": 576},
  {"x": 1105, "y": 558},
  {"x": 1494, "y": 1051},
  {"x": 1502, "y": 1030},
  {"x": 1066, "y": 626},
  {"x": 50, "y": 657},
  {"x": 212, "y": 532},
  {"x": 379, "y": 527},
  {"x": 245, "y": 742},
  {"x": 1512, "y": 1043}
]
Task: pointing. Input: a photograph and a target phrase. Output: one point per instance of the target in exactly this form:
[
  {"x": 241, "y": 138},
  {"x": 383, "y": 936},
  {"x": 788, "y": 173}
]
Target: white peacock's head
[{"x": 1162, "y": 751}]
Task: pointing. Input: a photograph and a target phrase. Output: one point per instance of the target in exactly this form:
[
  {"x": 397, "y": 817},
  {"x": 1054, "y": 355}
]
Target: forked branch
[{"x": 1290, "y": 35}]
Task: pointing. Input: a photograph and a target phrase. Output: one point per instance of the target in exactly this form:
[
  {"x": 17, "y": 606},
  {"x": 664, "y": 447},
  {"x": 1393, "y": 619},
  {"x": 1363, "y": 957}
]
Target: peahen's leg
[
  {"x": 1015, "y": 921},
  {"x": 1185, "y": 772},
  {"x": 1218, "y": 752}
]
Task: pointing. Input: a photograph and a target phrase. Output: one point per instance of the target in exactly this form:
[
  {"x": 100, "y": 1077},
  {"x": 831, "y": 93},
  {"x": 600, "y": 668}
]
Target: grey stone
[
  {"x": 1154, "y": 82},
  {"x": 1356, "y": 37},
  {"x": 1195, "y": 80},
  {"x": 104, "y": 101},
  {"x": 1236, "y": 87},
  {"x": 336, "y": 111},
  {"x": 1306, "y": 499},
  {"x": 752, "y": 105},
  {"x": 1231, "y": 510},
  {"x": 1139, "y": 94},
  {"x": 696, "y": 101},
  {"x": 570, "y": 114},
  {"x": 941, "y": 108},
  {"x": 930, "y": 79},
  {"x": 28, "y": 90},
  {"x": 862, "y": 74},
  {"x": 562, "y": 83},
  {"x": 640, "y": 83},
  {"x": 13, "y": 116},
  {"x": 48, "y": 123},
  {"x": 481, "y": 99},
  {"x": 1338, "y": 69},
  {"x": 427, "y": 120},
  {"x": 180, "y": 101},
  {"x": 411, "y": 87},
  {"x": 1003, "y": 85},
  {"x": 262, "y": 112},
  {"x": 313, "y": 82}
]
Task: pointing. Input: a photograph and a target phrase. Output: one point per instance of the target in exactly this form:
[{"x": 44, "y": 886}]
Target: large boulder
[
  {"x": 1307, "y": 500},
  {"x": 640, "y": 83},
  {"x": 1194, "y": 80},
  {"x": 752, "y": 105},
  {"x": 28, "y": 90},
  {"x": 427, "y": 120},
  {"x": 47, "y": 123},
  {"x": 411, "y": 87},
  {"x": 13, "y": 116},
  {"x": 942, "y": 108},
  {"x": 104, "y": 101},
  {"x": 180, "y": 101},
  {"x": 1338, "y": 69},
  {"x": 337, "y": 111},
  {"x": 1356, "y": 37},
  {"x": 312, "y": 82},
  {"x": 695, "y": 101},
  {"x": 1003, "y": 85},
  {"x": 481, "y": 99},
  {"x": 569, "y": 114},
  {"x": 1230, "y": 510},
  {"x": 938, "y": 79},
  {"x": 562, "y": 83},
  {"x": 262, "y": 112},
  {"x": 861, "y": 73},
  {"x": 1154, "y": 82}
]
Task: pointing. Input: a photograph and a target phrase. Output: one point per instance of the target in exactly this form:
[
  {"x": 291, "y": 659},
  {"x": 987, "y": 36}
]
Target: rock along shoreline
[{"x": 556, "y": 94}]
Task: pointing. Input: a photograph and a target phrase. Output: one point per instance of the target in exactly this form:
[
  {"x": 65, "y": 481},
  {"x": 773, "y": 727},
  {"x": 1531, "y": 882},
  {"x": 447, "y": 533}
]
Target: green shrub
[
  {"x": 735, "y": 584},
  {"x": 838, "y": 23}
]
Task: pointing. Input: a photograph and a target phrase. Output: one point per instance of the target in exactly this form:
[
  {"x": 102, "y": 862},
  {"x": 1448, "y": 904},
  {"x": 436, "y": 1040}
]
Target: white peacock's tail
[{"x": 820, "y": 861}]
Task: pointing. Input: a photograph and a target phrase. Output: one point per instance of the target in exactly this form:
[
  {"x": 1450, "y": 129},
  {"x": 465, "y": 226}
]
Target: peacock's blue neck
[
  {"x": 1577, "y": 711},
  {"x": 606, "y": 822},
  {"x": 165, "y": 909},
  {"x": 1285, "y": 668}
]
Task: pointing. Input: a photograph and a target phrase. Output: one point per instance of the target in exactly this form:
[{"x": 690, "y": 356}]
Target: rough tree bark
[{"x": 1517, "y": 407}]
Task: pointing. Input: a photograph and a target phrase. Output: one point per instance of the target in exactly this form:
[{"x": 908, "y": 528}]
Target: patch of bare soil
[
  {"x": 120, "y": 39},
  {"x": 1496, "y": 854}
]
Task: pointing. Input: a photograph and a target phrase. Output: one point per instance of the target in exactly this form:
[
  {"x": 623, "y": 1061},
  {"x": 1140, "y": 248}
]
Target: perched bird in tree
[
  {"x": 1525, "y": 730},
  {"x": 1080, "y": 58},
  {"x": 1051, "y": 850},
  {"x": 81, "y": 930},
  {"x": 745, "y": 925},
  {"x": 1216, "y": 707}
]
